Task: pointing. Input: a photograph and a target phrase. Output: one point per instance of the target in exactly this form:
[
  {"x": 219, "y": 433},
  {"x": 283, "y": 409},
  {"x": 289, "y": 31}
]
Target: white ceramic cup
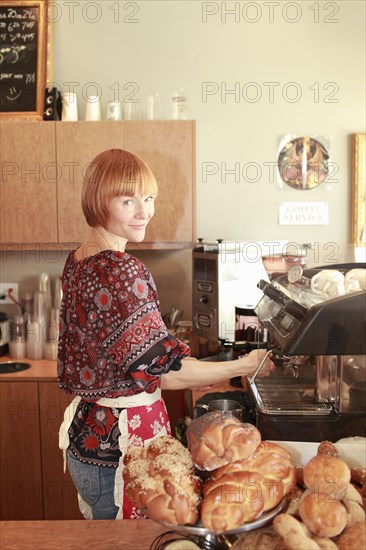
[
  {"x": 355, "y": 279},
  {"x": 328, "y": 283},
  {"x": 93, "y": 110},
  {"x": 69, "y": 107},
  {"x": 114, "y": 111}
]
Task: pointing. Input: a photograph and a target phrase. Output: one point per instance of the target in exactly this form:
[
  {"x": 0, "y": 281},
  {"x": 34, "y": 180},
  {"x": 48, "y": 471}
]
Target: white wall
[{"x": 164, "y": 45}]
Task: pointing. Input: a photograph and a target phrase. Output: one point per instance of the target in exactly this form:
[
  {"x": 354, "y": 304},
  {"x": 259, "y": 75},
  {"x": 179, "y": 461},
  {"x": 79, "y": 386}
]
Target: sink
[{"x": 13, "y": 366}]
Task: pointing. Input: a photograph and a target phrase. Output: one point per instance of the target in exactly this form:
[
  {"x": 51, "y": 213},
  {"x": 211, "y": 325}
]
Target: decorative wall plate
[{"x": 303, "y": 163}]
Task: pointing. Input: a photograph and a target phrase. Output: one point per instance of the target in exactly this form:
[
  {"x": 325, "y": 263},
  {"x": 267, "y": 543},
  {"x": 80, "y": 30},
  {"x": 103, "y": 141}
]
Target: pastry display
[
  {"x": 316, "y": 520},
  {"x": 228, "y": 478}
]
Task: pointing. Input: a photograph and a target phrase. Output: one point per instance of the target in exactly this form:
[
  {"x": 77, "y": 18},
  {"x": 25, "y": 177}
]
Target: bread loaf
[
  {"x": 273, "y": 463},
  {"x": 215, "y": 440},
  {"x": 159, "y": 478},
  {"x": 232, "y": 500}
]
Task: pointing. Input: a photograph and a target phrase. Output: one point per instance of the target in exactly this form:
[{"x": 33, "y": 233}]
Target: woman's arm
[{"x": 195, "y": 373}]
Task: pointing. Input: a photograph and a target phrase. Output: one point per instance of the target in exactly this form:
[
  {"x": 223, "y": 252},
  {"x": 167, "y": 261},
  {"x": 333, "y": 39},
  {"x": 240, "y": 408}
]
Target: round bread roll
[
  {"x": 322, "y": 516},
  {"x": 231, "y": 501},
  {"x": 353, "y": 538},
  {"x": 215, "y": 440},
  {"x": 327, "y": 474}
]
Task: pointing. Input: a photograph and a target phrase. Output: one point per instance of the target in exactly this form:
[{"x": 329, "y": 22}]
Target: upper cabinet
[
  {"x": 77, "y": 144},
  {"x": 168, "y": 148},
  {"x": 28, "y": 194},
  {"x": 43, "y": 206}
]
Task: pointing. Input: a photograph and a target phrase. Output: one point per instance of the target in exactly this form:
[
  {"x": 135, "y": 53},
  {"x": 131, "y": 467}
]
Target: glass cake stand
[{"x": 217, "y": 540}]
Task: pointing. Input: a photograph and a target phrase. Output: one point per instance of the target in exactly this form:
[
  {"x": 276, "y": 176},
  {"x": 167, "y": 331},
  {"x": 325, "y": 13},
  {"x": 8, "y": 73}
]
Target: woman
[{"x": 115, "y": 353}]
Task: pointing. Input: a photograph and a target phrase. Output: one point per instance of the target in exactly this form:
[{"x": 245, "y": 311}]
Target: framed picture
[
  {"x": 359, "y": 189},
  {"x": 25, "y": 57}
]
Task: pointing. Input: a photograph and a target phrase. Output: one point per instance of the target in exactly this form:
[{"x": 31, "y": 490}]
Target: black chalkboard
[{"x": 22, "y": 56}]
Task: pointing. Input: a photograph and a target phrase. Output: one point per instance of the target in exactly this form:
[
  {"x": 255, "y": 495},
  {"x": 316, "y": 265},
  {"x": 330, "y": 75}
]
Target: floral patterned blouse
[{"x": 112, "y": 342}]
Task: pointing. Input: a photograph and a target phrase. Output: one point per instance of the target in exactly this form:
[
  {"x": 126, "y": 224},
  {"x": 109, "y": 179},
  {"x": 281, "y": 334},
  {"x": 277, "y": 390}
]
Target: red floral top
[{"x": 112, "y": 342}]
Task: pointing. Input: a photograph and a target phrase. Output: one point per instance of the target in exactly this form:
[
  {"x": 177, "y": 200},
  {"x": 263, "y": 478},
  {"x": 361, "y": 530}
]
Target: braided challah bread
[
  {"x": 159, "y": 478},
  {"x": 273, "y": 464},
  {"x": 215, "y": 440},
  {"x": 232, "y": 500}
]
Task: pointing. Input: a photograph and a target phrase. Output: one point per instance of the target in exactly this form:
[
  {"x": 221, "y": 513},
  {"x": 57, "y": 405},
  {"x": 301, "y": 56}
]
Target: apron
[{"x": 143, "y": 418}]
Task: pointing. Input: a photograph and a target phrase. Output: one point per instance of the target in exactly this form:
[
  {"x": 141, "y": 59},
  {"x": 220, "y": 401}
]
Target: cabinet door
[
  {"x": 77, "y": 144},
  {"x": 59, "y": 493},
  {"x": 168, "y": 148},
  {"x": 28, "y": 210},
  {"x": 20, "y": 468}
]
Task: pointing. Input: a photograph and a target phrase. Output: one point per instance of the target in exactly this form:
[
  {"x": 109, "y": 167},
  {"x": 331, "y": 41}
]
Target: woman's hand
[
  {"x": 252, "y": 361},
  {"x": 200, "y": 374}
]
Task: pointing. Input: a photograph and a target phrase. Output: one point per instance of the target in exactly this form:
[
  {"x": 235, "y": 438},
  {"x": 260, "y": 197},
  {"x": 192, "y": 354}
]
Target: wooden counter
[
  {"x": 40, "y": 370},
  {"x": 69, "y": 535}
]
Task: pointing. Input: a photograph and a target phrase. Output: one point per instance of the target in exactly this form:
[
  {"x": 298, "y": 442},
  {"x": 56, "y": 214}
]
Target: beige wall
[
  {"x": 152, "y": 46},
  {"x": 171, "y": 271},
  {"x": 160, "y": 46}
]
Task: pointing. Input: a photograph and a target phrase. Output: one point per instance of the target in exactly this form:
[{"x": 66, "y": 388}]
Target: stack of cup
[
  {"x": 51, "y": 344},
  {"x": 18, "y": 343},
  {"x": 36, "y": 329}
]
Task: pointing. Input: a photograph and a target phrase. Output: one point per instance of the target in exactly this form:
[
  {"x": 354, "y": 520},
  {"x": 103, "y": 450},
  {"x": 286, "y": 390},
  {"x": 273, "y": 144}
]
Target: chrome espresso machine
[{"x": 318, "y": 389}]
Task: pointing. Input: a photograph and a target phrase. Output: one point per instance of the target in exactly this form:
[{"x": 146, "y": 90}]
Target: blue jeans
[{"x": 95, "y": 485}]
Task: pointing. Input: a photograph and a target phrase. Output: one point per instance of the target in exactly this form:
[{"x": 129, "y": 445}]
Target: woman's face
[{"x": 129, "y": 216}]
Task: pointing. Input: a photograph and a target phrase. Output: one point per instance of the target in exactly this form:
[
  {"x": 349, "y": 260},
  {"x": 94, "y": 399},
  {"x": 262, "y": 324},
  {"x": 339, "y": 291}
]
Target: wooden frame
[
  {"x": 359, "y": 189},
  {"x": 27, "y": 66}
]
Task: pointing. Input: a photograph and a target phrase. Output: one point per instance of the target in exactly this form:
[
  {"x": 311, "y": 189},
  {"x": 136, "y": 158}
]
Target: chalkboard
[{"x": 23, "y": 57}]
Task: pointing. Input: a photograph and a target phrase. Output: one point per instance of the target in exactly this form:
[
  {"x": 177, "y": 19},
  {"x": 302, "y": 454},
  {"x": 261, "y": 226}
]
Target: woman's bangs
[{"x": 133, "y": 179}]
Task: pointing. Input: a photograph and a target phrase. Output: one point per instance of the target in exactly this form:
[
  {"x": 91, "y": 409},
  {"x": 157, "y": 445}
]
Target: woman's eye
[
  {"x": 128, "y": 202},
  {"x": 150, "y": 198}
]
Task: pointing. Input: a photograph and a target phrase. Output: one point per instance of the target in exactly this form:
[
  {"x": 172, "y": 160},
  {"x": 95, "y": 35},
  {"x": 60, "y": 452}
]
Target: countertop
[
  {"x": 40, "y": 370},
  {"x": 76, "y": 534}
]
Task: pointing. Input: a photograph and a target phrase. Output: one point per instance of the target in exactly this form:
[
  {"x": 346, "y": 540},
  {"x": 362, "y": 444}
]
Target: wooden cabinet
[
  {"x": 43, "y": 164},
  {"x": 77, "y": 144},
  {"x": 168, "y": 148},
  {"x": 20, "y": 452},
  {"x": 28, "y": 198},
  {"x": 58, "y": 491},
  {"x": 33, "y": 485}
]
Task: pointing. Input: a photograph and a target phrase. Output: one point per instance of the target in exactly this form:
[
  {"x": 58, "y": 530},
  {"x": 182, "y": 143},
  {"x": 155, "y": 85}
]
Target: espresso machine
[
  {"x": 318, "y": 389},
  {"x": 225, "y": 277}
]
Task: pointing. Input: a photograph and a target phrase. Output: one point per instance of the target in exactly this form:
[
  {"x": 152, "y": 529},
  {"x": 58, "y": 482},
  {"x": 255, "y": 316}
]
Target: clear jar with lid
[{"x": 179, "y": 105}]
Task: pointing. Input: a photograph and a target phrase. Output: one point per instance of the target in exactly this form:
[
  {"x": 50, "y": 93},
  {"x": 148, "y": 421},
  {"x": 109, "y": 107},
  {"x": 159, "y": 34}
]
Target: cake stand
[{"x": 218, "y": 541}]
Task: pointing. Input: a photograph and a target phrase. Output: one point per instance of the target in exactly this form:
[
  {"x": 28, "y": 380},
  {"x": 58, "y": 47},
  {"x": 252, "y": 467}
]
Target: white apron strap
[{"x": 63, "y": 434}]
